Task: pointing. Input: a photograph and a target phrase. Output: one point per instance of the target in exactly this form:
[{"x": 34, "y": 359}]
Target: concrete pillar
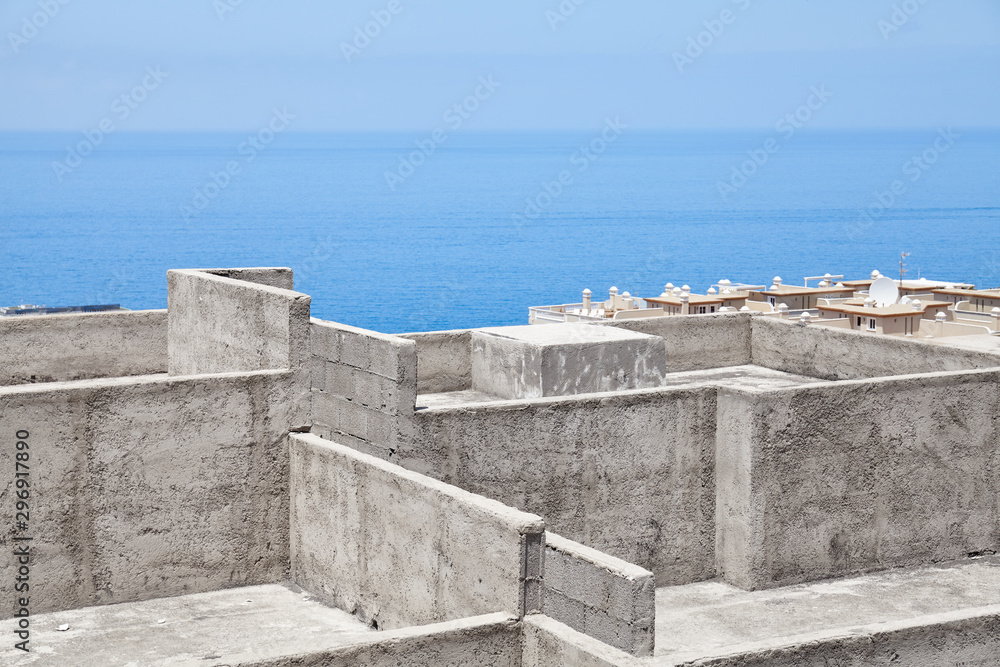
[
  {"x": 996, "y": 318},
  {"x": 586, "y": 301},
  {"x": 685, "y": 306}
]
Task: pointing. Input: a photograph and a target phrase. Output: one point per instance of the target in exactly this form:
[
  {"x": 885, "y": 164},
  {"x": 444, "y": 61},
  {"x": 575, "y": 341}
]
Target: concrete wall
[
  {"x": 364, "y": 387},
  {"x": 832, "y": 479},
  {"x": 444, "y": 360},
  {"x": 398, "y": 549},
  {"x": 492, "y": 640},
  {"x": 831, "y": 354},
  {"x": 601, "y": 596},
  {"x": 631, "y": 474},
  {"x": 696, "y": 343},
  {"x": 279, "y": 277},
  {"x": 54, "y": 348},
  {"x": 149, "y": 488},
  {"x": 550, "y": 643},
  {"x": 223, "y": 325}
]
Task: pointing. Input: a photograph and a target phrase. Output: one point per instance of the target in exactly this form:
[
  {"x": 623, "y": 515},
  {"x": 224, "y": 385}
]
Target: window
[
  {"x": 871, "y": 324},
  {"x": 713, "y": 309},
  {"x": 701, "y": 310},
  {"x": 772, "y": 300},
  {"x": 859, "y": 322}
]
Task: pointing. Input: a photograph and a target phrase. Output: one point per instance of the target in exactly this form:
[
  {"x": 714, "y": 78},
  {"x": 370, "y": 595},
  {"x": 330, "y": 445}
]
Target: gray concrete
[
  {"x": 858, "y": 621},
  {"x": 550, "y": 643},
  {"x": 280, "y": 277},
  {"x": 235, "y": 626},
  {"x": 397, "y": 548},
  {"x": 630, "y": 473},
  {"x": 697, "y": 343},
  {"x": 224, "y": 325},
  {"x": 835, "y": 354},
  {"x": 150, "y": 487},
  {"x": 601, "y": 596},
  {"x": 444, "y": 360},
  {"x": 536, "y": 361},
  {"x": 832, "y": 479},
  {"x": 364, "y": 387},
  {"x": 79, "y": 346}
]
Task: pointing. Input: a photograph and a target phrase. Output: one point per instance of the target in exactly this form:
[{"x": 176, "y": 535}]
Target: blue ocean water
[{"x": 482, "y": 228}]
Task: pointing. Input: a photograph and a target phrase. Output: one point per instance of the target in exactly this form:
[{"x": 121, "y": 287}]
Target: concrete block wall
[
  {"x": 80, "y": 346},
  {"x": 492, "y": 640},
  {"x": 551, "y": 643},
  {"x": 834, "y": 479},
  {"x": 697, "y": 343},
  {"x": 444, "y": 360},
  {"x": 152, "y": 487},
  {"x": 834, "y": 354},
  {"x": 364, "y": 387},
  {"x": 631, "y": 474},
  {"x": 599, "y": 595},
  {"x": 218, "y": 324},
  {"x": 399, "y": 549}
]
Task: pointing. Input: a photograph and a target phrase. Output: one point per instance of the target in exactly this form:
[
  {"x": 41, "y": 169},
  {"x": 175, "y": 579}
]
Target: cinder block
[
  {"x": 354, "y": 419},
  {"x": 317, "y": 373},
  {"x": 375, "y": 391},
  {"x": 355, "y": 349},
  {"x": 563, "y": 609},
  {"x": 536, "y": 361},
  {"x": 325, "y": 341}
]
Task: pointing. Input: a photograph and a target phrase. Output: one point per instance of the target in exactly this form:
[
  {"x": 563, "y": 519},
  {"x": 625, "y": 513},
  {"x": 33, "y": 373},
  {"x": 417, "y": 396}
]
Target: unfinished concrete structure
[{"x": 232, "y": 482}]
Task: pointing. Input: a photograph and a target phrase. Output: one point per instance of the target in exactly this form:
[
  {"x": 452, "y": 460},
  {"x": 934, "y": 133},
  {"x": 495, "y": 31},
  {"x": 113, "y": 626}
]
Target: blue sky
[{"x": 230, "y": 62}]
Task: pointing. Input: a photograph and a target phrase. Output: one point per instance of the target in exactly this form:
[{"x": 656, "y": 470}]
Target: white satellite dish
[{"x": 884, "y": 291}]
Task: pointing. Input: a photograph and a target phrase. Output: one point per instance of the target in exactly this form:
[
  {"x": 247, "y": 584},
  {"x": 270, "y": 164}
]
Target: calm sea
[{"x": 489, "y": 224}]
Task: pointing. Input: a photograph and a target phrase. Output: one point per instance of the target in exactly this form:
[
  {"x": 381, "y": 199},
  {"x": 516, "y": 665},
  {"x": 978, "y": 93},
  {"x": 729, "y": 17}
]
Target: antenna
[{"x": 902, "y": 256}]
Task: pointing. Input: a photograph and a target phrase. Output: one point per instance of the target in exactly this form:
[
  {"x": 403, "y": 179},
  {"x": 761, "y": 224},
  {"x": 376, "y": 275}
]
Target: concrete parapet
[
  {"x": 832, "y": 479},
  {"x": 599, "y": 595},
  {"x": 397, "y": 548},
  {"x": 537, "y": 361},
  {"x": 222, "y": 325},
  {"x": 550, "y": 643},
  {"x": 631, "y": 474},
  {"x": 57, "y": 348},
  {"x": 364, "y": 387},
  {"x": 834, "y": 354},
  {"x": 698, "y": 343},
  {"x": 279, "y": 277},
  {"x": 492, "y": 640},
  {"x": 444, "y": 360},
  {"x": 148, "y": 487}
]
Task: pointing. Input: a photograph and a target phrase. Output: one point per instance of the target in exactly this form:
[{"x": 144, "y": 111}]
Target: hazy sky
[{"x": 228, "y": 63}]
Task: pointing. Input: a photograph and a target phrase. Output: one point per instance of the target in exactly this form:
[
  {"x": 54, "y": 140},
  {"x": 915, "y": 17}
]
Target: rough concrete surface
[
  {"x": 536, "y": 361},
  {"x": 599, "y": 595},
  {"x": 216, "y": 628},
  {"x": 364, "y": 387},
  {"x": 223, "y": 325},
  {"x": 444, "y": 360},
  {"x": 697, "y": 343},
  {"x": 79, "y": 346},
  {"x": 149, "y": 487},
  {"x": 831, "y": 479},
  {"x": 397, "y": 548},
  {"x": 699, "y": 620},
  {"x": 834, "y": 354},
  {"x": 628, "y": 473},
  {"x": 550, "y": 643},
  {"x": 280, "y": 277}
]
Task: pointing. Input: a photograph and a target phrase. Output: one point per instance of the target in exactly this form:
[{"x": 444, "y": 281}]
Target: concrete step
[
  {"x": 943, "y": 614},
  {"x": 219, "y": 628}
]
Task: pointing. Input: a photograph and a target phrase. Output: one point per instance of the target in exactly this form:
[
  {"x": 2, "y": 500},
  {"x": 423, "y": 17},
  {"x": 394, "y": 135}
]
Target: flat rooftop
[
  {"x": 728, "y": 376},
  {"x": 712, "y": 618},
  {"x": 207, "y": 629}
]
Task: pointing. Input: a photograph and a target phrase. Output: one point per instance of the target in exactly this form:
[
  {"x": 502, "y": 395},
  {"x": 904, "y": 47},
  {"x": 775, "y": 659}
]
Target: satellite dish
[{"x": 884, "y": 291}]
